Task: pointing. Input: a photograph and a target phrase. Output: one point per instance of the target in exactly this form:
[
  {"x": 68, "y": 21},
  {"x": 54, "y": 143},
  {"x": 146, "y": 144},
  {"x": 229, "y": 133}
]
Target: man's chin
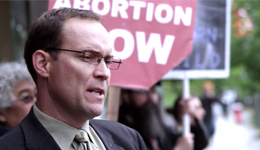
[{"x": 97, "y": 113}]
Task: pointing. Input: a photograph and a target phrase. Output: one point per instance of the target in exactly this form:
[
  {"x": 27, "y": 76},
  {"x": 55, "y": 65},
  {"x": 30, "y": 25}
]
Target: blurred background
[{"x": 243, "y": 82}]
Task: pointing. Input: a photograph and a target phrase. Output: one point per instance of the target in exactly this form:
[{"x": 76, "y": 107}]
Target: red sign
[{"x": 151, "y": 37}]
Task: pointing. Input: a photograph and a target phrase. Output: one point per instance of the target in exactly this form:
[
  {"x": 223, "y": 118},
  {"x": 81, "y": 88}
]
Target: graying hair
[{"x": 11, "y": 73}]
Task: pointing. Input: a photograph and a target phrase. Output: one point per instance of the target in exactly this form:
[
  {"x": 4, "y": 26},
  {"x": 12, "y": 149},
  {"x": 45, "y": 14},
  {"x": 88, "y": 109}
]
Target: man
[{"x": 69, "y": 57}]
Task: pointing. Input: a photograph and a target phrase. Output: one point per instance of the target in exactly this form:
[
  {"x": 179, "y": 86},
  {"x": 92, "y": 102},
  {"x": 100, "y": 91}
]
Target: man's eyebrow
[
  {"x": 91, "y": 51},
  {"x": 109, "y": 56},
  {"x": 96, "y": 52}
]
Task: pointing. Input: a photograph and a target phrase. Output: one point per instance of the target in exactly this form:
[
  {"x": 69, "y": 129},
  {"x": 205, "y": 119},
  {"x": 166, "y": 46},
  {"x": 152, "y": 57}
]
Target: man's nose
[{"x": 102, "y": 70}]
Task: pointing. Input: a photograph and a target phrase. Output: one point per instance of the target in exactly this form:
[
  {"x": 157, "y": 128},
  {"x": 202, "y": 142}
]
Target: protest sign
[
  {"x": 210, "y": 57},
  {"x": 151, "y": 37}
]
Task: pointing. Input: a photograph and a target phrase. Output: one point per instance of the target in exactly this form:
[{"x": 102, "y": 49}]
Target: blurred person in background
[
  {"x": 17, "y": 94},
  {"x": 194, "y": 108},
  {"x": 142, "y": 111},
  {"x": 208, "y": 100}
]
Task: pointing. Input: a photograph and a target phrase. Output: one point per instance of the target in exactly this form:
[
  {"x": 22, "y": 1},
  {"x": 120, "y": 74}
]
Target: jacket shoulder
[
  {"x": 12, "y": 140},
  {"x": 120, "y": 134},
  {"x": 112, "y": 127},
  {"x": 109, "y": 124}
]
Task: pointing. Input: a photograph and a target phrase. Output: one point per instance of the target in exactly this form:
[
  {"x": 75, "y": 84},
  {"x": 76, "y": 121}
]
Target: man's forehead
[{"x": 90, "y": 33}]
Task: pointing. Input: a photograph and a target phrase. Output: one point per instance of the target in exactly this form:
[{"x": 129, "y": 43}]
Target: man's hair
[
  {"x": 46, "y": 32},
  {"x": 11, "y": 73}
]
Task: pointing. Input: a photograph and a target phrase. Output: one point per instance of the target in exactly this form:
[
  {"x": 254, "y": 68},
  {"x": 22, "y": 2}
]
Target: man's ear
[{"x": 41, "y": 62}]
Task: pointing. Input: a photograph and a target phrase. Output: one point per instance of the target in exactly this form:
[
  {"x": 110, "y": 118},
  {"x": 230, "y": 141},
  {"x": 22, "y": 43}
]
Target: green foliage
[
  {"x": 172, "y": 89},
  {"x": 245, "y": 52}
]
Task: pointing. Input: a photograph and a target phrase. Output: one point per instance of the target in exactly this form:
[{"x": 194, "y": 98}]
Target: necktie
[
  {"x": 82, "y": 139},
  {"x": 84, "y": 143}
]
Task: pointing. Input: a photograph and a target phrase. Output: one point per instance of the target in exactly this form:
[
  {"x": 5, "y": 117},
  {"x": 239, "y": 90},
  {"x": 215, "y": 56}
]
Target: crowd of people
[
  {"x": 63, "y": 53},
  {"x": 160, "y": 127}
]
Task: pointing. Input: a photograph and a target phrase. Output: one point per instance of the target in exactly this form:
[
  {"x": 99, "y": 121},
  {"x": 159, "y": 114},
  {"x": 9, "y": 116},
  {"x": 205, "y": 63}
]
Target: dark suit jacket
[{"x": 31, "y": 135}]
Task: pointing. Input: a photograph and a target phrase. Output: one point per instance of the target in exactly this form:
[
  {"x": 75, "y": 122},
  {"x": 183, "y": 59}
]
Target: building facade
[{"x": 16, "y": 17}]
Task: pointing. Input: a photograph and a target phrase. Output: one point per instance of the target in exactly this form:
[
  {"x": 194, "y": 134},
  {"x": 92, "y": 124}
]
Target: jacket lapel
[
  {"x": 105, "y": 137},
  {"x": 36, "y": 136}
]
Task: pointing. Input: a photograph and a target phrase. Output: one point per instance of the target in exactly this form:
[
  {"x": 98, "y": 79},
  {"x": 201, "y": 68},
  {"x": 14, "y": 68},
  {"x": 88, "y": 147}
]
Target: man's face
[{"x": 78, "y": 88}]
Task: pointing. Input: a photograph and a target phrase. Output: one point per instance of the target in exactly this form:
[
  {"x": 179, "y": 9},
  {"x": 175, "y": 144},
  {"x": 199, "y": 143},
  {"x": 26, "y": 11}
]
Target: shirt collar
[{"x": 62, "y": 133}]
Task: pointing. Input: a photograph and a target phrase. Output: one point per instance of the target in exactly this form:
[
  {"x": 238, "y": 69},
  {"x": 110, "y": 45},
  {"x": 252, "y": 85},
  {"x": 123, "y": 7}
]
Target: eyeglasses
[{"x": 93, "y": 57}]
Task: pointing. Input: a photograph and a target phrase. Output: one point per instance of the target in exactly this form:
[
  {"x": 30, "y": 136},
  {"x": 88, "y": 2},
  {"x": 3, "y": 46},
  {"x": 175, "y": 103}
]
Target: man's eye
[
  {"x": 108, "y": 62},
  {"x": 89, "y": 58}
]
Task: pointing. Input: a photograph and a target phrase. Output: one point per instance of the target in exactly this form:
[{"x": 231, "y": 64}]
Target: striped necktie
[
  {"x": 82, "y": 139},
  {"x": 84, "y": 142}
]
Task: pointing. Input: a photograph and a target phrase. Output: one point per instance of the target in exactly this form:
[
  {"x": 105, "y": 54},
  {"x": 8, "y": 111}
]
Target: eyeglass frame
[{"x": 98, "y": 60}]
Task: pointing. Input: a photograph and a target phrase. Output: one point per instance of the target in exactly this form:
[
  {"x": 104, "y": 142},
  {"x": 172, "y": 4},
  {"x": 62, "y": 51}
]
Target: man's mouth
[{"x": 96, "y": 91}]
